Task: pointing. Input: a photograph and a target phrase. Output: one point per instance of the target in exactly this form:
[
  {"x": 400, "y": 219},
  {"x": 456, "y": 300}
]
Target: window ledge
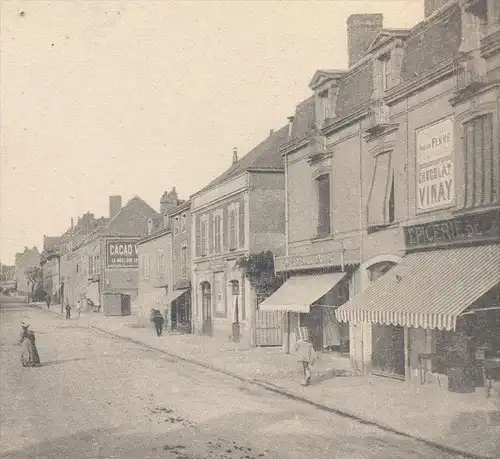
[{"x": 321, "y": 238}]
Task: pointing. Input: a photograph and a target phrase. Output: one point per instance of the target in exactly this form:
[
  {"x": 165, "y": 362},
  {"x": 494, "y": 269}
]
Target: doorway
[
  {"x": 206, "y": 302},
  {"x": 388, "y": 357}
]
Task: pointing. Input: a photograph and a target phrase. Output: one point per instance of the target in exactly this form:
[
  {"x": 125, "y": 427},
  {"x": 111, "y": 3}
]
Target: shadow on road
[
  {"x": 57, "y": 362},
  {"x": 165, "y": 434}
]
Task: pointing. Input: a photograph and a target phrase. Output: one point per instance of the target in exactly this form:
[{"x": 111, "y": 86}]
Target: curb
[{"x": 283, "y": 392}]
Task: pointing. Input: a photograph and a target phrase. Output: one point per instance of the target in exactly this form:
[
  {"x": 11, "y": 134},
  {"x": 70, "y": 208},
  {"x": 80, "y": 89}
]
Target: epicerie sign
[
  {"x": 122, "y": 253},
  {"x": 435, "y": 187}
]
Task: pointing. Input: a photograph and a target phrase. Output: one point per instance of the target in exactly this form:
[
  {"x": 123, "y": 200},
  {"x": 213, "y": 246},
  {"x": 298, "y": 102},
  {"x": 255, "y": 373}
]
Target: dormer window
[
  {"x": 385, "y": 67},
  {"x": 324, "y": 100}
]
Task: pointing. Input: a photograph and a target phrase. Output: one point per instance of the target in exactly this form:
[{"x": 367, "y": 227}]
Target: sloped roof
[
  {"x": 132, "y": 220},
  {"x": 431, "y": 43},
  {"x": 264, "y": 156},
  {"x": 355, "y": 89},
  {"x": 305, "y": 118},
  {"x": 51, "y": 242},
  {"x": 184, "y": 205}
]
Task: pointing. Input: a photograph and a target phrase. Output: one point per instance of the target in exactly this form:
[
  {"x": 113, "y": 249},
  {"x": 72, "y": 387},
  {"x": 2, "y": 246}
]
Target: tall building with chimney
[
  {"x": 100, "y": 265},
  {"x": 393, "y": 198}
]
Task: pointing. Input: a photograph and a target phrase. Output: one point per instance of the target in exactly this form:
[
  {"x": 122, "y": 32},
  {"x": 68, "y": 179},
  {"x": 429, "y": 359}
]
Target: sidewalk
[{"x": 467, "y": 423}]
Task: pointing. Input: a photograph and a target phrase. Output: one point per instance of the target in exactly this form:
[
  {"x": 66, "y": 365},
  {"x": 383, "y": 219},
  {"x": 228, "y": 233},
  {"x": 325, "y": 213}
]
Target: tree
[
  {"x": 259, "y": 270},
  {"x": 34, "y": 275}
]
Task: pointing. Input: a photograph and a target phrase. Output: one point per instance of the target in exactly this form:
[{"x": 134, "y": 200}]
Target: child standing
[{"x": 305, "y": 353}]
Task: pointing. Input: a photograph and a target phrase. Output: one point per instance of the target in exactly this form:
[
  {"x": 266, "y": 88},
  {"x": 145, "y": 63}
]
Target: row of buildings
[{"x": 380, "y": 200}]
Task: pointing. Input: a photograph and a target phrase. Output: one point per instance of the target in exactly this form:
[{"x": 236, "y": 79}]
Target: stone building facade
[
  {"x": 239, "y": 213},
  {"x": 406, "y": 137}
]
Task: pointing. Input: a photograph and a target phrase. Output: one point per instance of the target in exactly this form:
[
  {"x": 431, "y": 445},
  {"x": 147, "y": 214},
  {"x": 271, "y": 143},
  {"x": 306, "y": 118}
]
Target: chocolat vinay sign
[
  {"x": 121, "y": 253},
  {"x": 435, "y": 187}
]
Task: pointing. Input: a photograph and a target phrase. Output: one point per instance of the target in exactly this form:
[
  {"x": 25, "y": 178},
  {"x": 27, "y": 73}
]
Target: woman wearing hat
[{"x": 29, "y": 352}]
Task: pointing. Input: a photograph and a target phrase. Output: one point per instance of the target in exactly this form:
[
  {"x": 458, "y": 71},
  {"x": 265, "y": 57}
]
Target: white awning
[
  {"x": 174, "y": 294},
  {"x": 427, "y": 289},
  {"x": 298, "y": 293}
]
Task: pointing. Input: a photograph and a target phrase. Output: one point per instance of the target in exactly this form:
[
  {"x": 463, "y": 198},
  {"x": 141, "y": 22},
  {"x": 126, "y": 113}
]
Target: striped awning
[
  {"x": 427, "y": 289},
  {"x": 298, "y": 293}
]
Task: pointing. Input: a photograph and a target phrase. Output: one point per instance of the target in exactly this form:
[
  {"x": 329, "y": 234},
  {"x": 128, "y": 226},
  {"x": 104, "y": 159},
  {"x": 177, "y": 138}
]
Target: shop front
[
  {"x": 434, "y": 317},
  {"x": 179, "y": 300},
  {"x": 309, "y": 300}
]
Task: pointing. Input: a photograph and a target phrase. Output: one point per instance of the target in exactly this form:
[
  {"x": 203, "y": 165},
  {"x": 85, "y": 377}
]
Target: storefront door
[{"x": 388, "y": 356}]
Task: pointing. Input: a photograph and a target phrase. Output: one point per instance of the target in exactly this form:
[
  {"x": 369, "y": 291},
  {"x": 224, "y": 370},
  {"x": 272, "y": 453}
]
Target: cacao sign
[{"x": 122, "y": 253}]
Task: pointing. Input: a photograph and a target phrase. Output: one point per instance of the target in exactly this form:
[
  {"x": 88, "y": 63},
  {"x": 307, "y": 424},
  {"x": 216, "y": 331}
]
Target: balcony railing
[{"x": 378, "y": 118}]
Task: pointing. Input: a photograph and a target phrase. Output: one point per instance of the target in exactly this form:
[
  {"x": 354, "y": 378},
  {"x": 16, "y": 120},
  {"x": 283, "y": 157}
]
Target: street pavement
[{"x": 100, "y": 397}]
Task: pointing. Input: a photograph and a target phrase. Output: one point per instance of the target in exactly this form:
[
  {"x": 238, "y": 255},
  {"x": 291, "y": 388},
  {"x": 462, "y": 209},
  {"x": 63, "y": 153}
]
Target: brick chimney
[
  {"x": 115, "y": 205},
  {"x": 361, "y": 31},
  {"x": 235, "y": 155},
  {"x": 169, "y": 201},
  {"x": 432, "y": 5}
]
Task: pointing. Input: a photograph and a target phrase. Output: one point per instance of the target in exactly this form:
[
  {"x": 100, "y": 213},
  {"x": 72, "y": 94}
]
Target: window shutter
[{"x": 377, "y": 211}]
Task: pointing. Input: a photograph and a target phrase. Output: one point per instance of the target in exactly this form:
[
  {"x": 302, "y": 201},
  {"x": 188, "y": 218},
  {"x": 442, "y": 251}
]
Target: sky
[{"x": 134, "y": 97}]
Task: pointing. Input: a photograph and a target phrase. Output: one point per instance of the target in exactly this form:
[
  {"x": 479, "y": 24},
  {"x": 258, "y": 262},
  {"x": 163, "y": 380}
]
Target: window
[
  {"x": 480, "y": 178},
  {"x": 392, "y": 209},
  {"x": 233, "y": 226},
  {"x": 204, "y": 236},
  {"x": 385, "y": 67},
  {"x": 91, "y": 265},
  {"x": 323, "y": 190},
  {"x": 206, "y": 299},
  {"x": 183, "y": 223},
  {"x": 176, "y": 225},
  {"x": 184, "y": 262},
  {"x": 160, "y": 259},
  {"x": 381, "y": 201},
  {"x": 218, "y": 232},
  {"x": 219, "y": 294}
]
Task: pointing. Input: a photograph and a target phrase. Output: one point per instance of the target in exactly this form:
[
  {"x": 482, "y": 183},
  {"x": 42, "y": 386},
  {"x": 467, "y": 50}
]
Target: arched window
[{"x": 379, "y": 269}]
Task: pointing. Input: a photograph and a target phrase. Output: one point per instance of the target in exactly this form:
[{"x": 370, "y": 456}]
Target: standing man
[
  {"x": 47, "y": 300},
  {"x": 158, "y": 321},
  {"x": 78, "y": 308},
  {"x": 68, "y": 311}
]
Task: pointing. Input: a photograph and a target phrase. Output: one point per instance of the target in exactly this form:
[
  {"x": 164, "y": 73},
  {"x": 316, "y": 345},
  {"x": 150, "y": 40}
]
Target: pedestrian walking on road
[
  {"x": 47, "y": 300},
  {"x": 158, "y": 321},
  {"x": 78, "y": 308},
  {"x": 305, "y": 353},
  {"x": 68, "y": 311}
]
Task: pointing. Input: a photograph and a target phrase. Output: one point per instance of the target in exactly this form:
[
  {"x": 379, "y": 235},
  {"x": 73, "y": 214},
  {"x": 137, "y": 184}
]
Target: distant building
[
  {"x": 50, "y": 266},
  {"x": 180, "y": 294},
  {"x": 157, "y": 263},
  {"x": 29, "y": 259},
  {"x": 103, "y": 263},
  {"x": 241, "y": 212}
]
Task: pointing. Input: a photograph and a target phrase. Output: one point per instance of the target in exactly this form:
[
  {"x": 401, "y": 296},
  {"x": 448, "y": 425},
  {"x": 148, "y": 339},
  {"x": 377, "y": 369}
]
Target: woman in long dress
[{"x": 29, "y": 352}]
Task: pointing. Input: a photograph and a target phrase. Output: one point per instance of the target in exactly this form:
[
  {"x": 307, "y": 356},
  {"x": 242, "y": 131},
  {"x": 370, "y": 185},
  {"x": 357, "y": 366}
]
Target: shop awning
[
  {"x": 174, "y": 294},
  {"x": 298, "y": 293},
  {"x": 427, "y": 289}
]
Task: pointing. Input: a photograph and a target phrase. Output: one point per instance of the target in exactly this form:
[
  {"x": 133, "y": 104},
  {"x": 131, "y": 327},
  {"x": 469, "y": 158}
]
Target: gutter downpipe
[
  {"x": 361, "y": 235},
  {"x": 286, "y": 338}
]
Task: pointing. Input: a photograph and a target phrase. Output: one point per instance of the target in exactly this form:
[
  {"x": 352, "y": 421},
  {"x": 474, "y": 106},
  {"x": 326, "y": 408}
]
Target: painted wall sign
[
  {"x": 317, "y": 260},
  {"x": 435, "y": 185},
  {"x": 467, "y": 229},
  {"x": 122, "y": 253}
]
